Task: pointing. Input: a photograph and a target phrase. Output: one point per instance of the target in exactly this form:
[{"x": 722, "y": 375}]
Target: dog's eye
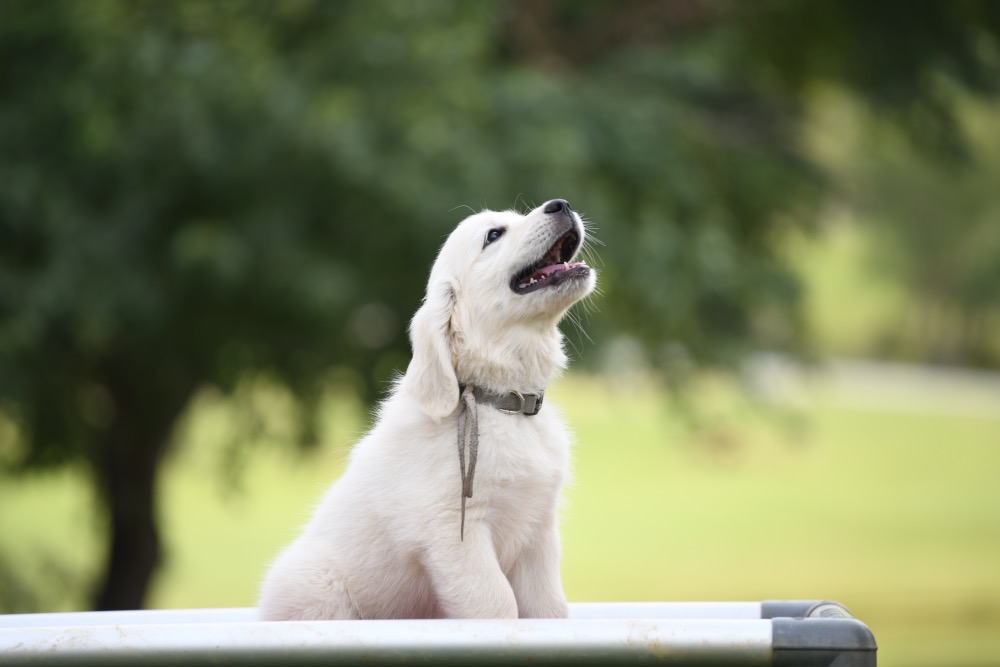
[{"x": 493, "y": 235}]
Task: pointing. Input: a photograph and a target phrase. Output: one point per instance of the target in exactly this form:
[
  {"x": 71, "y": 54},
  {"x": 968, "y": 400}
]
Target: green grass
[{"x": 896, "y": 514}]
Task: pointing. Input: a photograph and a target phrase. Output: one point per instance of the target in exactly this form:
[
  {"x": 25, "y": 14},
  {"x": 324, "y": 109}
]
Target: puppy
[{"x": 447, "y": 508}]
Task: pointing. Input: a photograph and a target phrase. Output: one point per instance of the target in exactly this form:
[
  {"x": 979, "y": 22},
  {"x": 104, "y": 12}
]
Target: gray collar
[{"x": 511, "y": 403}]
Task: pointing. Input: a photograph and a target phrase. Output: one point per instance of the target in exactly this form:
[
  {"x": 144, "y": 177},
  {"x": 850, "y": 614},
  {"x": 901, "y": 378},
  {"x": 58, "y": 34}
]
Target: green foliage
[
  {"x": 192, "y": 192},
  {"x": 931, "y": 228},
  {"x": 904, "y": 60},
  {"x": 195, "y": 193}
]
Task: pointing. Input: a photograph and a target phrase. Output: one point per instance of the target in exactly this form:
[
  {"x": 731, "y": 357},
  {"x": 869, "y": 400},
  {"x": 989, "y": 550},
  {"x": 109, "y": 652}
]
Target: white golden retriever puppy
[{"x": 447, "y": 508}]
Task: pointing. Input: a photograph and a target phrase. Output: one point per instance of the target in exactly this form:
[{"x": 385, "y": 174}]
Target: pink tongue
[{"x": 546, "y": 271}]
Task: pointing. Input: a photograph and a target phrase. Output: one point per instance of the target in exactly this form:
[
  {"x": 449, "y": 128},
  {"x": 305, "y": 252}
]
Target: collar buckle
[{"x": 512, "y": 402}]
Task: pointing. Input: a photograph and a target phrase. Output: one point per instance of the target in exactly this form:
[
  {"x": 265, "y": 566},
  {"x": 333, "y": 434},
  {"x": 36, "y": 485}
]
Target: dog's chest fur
[{"x": 523, "y": 463}]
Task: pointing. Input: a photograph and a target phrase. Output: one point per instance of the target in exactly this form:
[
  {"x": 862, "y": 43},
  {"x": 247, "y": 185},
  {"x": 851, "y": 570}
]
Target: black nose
[{"x": 556, "y": 206}]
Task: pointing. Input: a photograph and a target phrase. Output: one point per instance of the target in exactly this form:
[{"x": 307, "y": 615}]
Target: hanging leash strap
[
  {"x": 511, "y": 403},
  {"x": 468, "y": 432}
]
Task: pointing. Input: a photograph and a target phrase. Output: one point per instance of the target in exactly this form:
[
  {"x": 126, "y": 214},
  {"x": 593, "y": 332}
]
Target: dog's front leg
[
  {"x": 535, "y": 577},
  {"x": 468, "y": 580}
]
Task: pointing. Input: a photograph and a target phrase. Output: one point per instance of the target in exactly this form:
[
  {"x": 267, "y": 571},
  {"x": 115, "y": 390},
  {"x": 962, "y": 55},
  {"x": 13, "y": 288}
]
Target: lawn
[{"x": 892, "y": 510}]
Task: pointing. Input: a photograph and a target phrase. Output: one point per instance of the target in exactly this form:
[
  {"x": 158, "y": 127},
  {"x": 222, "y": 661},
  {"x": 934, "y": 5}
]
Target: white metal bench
[{"x": 785, "y": 633}]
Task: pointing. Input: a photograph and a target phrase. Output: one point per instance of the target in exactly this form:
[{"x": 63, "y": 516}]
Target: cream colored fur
[{"x": 385, "y": 542}]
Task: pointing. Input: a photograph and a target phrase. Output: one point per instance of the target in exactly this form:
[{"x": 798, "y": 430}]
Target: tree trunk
[
  {"x": 127, "y": 472},
  {"x": 129, "y": 488}
]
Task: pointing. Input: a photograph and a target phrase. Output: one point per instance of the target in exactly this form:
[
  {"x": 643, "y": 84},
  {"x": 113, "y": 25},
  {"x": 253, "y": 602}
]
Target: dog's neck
[{"x": 508, "y": 366}]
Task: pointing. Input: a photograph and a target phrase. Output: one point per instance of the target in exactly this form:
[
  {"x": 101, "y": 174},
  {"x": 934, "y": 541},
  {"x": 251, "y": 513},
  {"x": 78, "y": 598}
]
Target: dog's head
[{"x": 500, "y": 285}]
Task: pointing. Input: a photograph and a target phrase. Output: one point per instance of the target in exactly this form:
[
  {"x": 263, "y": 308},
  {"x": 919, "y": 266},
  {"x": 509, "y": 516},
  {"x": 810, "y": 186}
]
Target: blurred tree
[
  {"x": 168, "y": 219},
  {"x": 195, "y": 192},
  {"x": 905, "y": 60},
  {"x": 935, "y": 230}
]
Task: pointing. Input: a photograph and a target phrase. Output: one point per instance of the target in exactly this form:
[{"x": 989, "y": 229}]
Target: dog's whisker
[
  {"x": 455, "y": 208},
  {"x": 520, "y": 197},
  {"x": 574, "y": 319}
]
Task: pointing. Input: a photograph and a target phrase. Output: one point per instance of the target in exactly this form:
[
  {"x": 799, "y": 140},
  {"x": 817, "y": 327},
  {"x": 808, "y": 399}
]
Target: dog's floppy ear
[{"x": 431, "y": 375}]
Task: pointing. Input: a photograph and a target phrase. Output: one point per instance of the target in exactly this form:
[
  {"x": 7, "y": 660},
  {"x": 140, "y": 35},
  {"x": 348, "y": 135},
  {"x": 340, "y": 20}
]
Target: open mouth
[{"x": 553, "y": 268}]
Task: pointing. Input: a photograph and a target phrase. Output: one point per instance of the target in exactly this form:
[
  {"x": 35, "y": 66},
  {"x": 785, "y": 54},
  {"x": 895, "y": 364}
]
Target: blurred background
[{"x": 216, "y": 219}]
